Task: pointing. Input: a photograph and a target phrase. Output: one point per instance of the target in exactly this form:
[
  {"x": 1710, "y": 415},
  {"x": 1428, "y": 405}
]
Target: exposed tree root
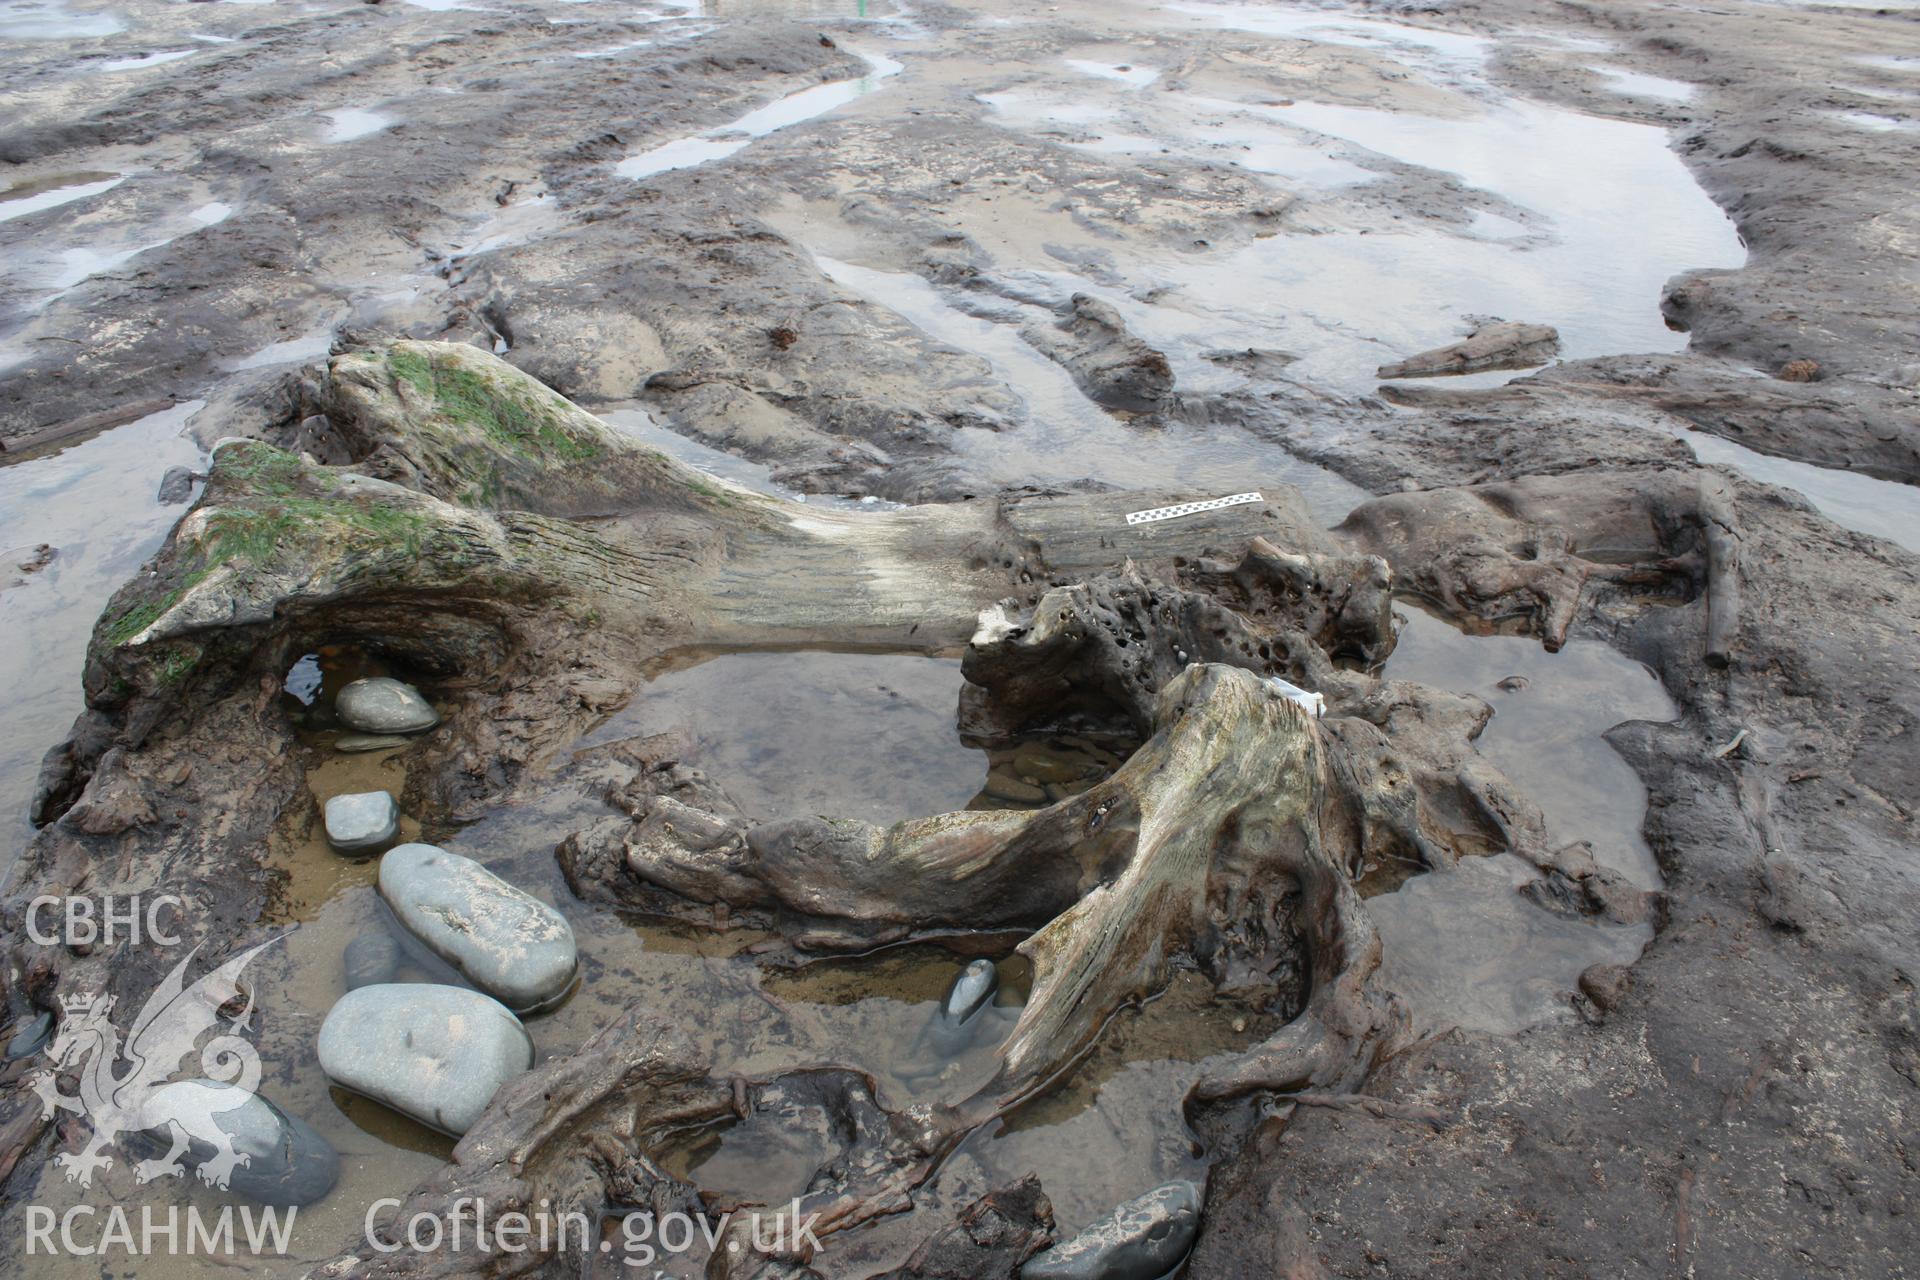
[{"x": 1541, "y": 549}]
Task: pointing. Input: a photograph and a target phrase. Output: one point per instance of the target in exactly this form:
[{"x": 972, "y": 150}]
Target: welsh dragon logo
[{"x": 167, "y": 1031}]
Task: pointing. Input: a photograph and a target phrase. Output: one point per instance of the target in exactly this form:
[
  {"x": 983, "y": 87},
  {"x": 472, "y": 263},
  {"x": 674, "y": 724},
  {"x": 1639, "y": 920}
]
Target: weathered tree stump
[{"x": 534, "y": 561}]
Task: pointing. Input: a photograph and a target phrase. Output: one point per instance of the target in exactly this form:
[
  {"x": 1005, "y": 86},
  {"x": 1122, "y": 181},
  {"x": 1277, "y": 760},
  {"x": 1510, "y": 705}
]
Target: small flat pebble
[
  {"x": 362, "y": 822},
  {"x": 357, "y": 742}
]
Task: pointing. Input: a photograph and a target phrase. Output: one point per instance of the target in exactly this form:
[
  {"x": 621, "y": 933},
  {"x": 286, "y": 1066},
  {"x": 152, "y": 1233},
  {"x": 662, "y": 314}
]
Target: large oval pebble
[
  {"x": 431, "y": 1052},
  {"x": 381, "y": 704},
  {"x": 1143, "y": 1239},
  {"x": 238, "y": 1140},
  {"x": 502, "y": 939}
]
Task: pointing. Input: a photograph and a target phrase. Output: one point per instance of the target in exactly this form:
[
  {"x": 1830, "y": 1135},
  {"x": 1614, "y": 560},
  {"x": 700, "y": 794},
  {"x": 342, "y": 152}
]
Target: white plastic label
[{"x": 1313, "y": 704}]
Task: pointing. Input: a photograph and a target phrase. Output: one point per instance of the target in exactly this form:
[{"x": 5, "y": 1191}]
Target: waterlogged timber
[{"x": 732, "y": 468}]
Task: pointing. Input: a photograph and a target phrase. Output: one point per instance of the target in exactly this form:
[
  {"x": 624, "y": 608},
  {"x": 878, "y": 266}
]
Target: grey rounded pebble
[
  {"x": 1142, "y": 1239},
  {"x": 287, "y": 1161},
  {"x": 971, "y": 991},
  {"x": 370, "y": 959},
  {"x": 176, "y": 486},
  {"x": 502, "y": 939},
  {"x": 435, "y": 1053},
  {"x": 366, "y": 820},
  {"x": 357, "y": 742},
  {"x": 953, "y": 1029},
  {"x": 381, "y": 704},
  {"x": 31, "y": 1037}
]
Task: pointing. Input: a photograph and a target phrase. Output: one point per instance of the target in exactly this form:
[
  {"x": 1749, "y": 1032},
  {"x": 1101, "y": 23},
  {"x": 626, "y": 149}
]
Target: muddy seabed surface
[{"x": 1577, "y": 939}]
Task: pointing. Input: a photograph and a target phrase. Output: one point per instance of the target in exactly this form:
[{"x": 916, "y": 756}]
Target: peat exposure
[{"x": 923, "y": 640}]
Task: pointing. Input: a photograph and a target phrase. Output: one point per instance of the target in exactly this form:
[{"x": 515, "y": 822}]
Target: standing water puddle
[
  {"x": 1610, "y": 211},
  {"x": 1415, "y": 44},
  {"x": 1621, "y": 212},
  {"x": 143, "y": 60},
  {"x": 1467, "y": 950},
  {"x": 867, "y": 736},
  {"x": 1067, "y": 438},
  {"x": 1618, "y": 215},
  {"x": 789, "y": 8},
  {"x": 795, "y": 108},
  {"x": 1546, "y": 734},
  {"x": 1866, "y": 504},
  {"x": 1874, "y": 122},
  {"x": 31, "y": 277},
  {"x": 94, "y": 504},
  {"x": 1638, "y": 84},
  {"x": 28, "y": 20},
  {"x": 1114, "y": 1128},
  {"x": 1624, "y": 213},
  {"x": 1463, "y": 945},
  {"x": 312, "y": 346},
  {"x": 24, "y": 198},
  {"x": 349, "y": 123},
  {"x": 1204, "y": 130}
]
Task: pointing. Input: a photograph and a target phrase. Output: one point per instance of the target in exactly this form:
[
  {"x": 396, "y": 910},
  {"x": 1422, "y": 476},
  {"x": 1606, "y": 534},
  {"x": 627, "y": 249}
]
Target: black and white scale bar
[{"x": 1190, "y": 508}]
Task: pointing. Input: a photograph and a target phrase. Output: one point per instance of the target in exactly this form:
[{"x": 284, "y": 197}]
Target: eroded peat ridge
[{"x": 1103, "y": 641}]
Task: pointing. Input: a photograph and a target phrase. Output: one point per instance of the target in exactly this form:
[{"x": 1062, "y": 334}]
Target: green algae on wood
[
  {"x": 513, "y": 415},
  {"x": 462, "y": 425}
]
